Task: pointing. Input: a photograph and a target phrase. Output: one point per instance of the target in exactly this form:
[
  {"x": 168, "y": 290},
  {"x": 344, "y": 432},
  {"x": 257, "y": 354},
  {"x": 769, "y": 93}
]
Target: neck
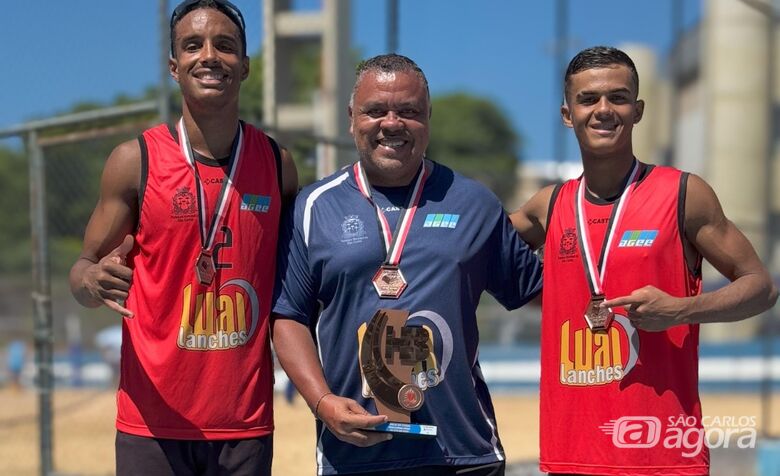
[
  {"x": 211, "y": 134},
  {"x": 390, "y": 178},
  {"x": 604, "y": 176}
]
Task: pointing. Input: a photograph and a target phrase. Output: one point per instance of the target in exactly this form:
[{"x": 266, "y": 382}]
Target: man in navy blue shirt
[{"x": 396, "y": 231}]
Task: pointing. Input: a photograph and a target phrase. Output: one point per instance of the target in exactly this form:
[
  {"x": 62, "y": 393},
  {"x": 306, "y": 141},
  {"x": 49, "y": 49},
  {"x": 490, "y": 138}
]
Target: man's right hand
[
  {"x": 347, "y": 420},
  {"x": 108, "y": 280}
]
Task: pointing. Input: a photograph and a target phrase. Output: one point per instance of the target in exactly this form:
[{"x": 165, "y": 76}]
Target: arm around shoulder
[
  {"x": 289, "y": 177},
  {"x": 530, "y": 220}
]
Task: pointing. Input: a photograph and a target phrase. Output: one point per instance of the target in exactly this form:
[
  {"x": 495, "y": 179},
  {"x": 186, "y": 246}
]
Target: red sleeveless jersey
[
  {"x": 625, "y": 401},
  {"x": 196, "y": 361}
]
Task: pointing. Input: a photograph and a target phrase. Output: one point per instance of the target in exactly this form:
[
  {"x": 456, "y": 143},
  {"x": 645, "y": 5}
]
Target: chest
[
  {"x": 178, "y": 201},
  {"x": 647, "y": 231},
  {"x": 347, "y": 239}
]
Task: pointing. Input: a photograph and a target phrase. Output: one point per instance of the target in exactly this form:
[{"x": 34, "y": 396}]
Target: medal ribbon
[
  {"x": 394, "y": 243},
  {"x": 595, "y": 274},
  {"x": 208, "y": 235}
]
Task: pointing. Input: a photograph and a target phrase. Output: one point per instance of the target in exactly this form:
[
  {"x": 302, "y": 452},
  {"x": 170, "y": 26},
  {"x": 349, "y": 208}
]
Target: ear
[
  {"x": 245, "y": 68},
  {"x": 173, "y": 67},
  {"x": 639, "y": 110},
  {"x": 566, "y": 116},
  {"x": 349, "y": 113}
]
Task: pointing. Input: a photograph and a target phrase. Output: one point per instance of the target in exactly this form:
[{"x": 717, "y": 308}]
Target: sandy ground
[{"x": 84, "y": 430}]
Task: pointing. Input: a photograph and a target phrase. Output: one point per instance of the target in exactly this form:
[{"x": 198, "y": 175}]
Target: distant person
[
  {"x": 397, "y": 231},
  {"x": 182, "y": 244},
  {"x": 16, "y": 355},
  {"x": 622, "y": 300},
  {"x": 109, "y": 343},
  {"x": 289, "y": 392}
]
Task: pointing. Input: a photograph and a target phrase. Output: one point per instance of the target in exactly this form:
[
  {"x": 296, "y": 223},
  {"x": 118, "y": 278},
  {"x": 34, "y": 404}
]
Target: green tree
[
  {"x": 473, "y": 136},
  {"x": 14, "y": 201},
  {"x": 251, "y": 100}
]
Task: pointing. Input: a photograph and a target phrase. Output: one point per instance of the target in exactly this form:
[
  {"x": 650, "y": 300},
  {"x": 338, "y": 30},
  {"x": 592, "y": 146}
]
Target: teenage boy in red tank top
[
  {"x": 182, "y": 245},
  {"x": 641, "y": 366}
]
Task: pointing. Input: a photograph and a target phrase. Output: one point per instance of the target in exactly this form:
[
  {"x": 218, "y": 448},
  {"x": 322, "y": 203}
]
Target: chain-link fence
[{"x": 59, "y": 171}]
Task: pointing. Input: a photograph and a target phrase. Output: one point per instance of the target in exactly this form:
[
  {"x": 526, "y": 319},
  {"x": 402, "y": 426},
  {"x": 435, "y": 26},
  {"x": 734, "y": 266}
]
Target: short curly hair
[{"x": 387, "y": 63}]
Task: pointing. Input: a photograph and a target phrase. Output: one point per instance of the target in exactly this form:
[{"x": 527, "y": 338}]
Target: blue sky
[{"x": 59, "y": 53}]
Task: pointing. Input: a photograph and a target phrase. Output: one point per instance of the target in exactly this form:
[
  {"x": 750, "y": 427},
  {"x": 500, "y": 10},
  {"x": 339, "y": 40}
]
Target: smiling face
[
  {"x": 602, "y": 108},
  {"x": 389, "y": 121},
  {"x": 210, "y": 62}
]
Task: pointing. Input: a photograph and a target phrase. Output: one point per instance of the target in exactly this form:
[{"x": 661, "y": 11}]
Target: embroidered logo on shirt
[
  {"x": 567, "y": 250},
  {"x": 441, "y": 220},
  {"x": 255, "y": 203},
  {"x": 185, "y": 206},
  {"x": 638, "y": 238},
  {"x": 353, "y": 230}
]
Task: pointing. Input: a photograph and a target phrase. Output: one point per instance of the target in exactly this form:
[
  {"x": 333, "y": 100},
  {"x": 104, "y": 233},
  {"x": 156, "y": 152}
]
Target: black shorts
[
  {"x": 142, "y": 456},
  {"x": 490, "y": 469}
]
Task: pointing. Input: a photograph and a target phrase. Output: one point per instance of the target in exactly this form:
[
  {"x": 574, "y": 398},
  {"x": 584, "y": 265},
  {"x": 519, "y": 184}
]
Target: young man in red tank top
[
  {"x": 182, "y": 245},
  {"x": 622, "y": 297}
]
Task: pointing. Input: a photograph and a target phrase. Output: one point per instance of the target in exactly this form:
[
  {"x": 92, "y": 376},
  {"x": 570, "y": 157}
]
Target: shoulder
[
  {"x": 252, "y": 129},
  {"x": 127, "y": 151},
  {"x": 288, "y": 171},
  {"x": 530, "y": 220},
  {"x": 259, "y": 138},
  {"x": 455, "y": 186},
  {"x": 123, "y": 166},
  {"x": 328, "y": 188},
  {"x": 539, "y": 204},
  {"x": 326, "y": 194},
  {"x": 663, "y": 173},
  {"x": 694, "y": 192},
  {"x": 159, "y": 133},
  {"x": 330, "y": 183},
  {"x": 701, "y": 202},
  {"x": 289, "y": 175}
]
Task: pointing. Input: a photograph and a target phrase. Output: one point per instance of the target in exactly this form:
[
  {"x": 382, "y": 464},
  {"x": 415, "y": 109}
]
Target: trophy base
[{"x": 407, "y": 430}]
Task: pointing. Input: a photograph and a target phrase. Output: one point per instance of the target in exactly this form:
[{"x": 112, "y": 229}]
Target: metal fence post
[{"x": 41, "y": 297}]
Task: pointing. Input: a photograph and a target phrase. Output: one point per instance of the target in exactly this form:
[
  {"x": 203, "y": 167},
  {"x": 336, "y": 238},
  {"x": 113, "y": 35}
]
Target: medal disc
[{"x": 389, "y": 282}]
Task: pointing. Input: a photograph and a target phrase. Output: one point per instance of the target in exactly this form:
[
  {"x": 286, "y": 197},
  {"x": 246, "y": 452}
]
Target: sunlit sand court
[{"x": 84, "y": 430}]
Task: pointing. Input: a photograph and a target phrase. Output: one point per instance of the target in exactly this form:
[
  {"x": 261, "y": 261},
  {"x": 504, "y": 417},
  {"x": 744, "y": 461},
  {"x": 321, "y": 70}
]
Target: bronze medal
[
  {"x": 599, "y": 319},
  {"x": 204, "y": 268},
  {"x": 389, "y": 282}
]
